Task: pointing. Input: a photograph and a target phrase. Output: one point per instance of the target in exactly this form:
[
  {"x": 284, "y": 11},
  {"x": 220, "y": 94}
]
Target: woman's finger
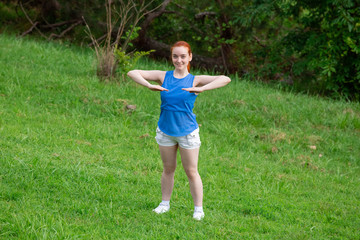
[
  {"x": 192, "y": 90},
  {"x": 158, "y": 88}
]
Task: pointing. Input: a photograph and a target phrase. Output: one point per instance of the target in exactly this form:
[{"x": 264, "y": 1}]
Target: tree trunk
[{"x": 227, "y": 33}]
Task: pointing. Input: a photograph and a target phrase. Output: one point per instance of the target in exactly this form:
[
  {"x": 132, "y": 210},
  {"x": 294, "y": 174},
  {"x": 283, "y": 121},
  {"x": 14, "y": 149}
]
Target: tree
[
  {"x": 317, "y": 42},
  {"x": 118, "y": 35},
  {"x": 304, "y": 43}
]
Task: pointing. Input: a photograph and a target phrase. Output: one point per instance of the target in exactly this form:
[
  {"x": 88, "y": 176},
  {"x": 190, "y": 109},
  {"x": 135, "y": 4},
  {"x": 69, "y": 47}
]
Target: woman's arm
[
  {"x": 205, "y": 82},
  {"x": 142, "y": 77}
]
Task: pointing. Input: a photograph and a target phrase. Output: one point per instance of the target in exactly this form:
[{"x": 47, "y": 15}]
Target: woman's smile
[{"x": 180, "y": 57}]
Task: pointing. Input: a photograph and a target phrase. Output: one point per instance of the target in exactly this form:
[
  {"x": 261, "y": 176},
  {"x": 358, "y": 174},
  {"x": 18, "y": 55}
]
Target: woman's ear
[{"x": 190, "y": 56}]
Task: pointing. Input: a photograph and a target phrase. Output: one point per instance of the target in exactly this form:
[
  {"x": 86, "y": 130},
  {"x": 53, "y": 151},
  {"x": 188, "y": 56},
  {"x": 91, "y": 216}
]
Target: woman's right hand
[{"x": 157, "y": 88}]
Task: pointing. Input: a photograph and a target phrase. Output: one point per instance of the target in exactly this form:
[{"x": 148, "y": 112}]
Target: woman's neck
[{"x": 180, "y": 73}]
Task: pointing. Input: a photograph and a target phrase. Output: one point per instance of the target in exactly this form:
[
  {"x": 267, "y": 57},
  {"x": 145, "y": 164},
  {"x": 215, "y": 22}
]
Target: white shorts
[{"x": 189, "y": 141}]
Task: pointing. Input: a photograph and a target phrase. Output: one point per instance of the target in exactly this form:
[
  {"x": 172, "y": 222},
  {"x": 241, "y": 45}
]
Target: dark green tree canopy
[{"x": 303, "y": 43}]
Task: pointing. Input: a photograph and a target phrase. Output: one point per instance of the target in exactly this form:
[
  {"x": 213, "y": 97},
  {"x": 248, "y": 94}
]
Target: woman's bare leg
[
  {"x": 189, "y": 159},
  {"x": 168, "y": 156}
]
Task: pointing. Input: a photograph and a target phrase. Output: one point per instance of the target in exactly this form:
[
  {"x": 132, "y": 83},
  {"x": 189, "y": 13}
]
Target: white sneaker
[
  {"x": 198, "y": 215},
  {"x": 162, "y": 208}
]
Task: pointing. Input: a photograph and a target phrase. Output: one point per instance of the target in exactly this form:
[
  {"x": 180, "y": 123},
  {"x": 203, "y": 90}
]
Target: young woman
[{"x": 177, "y": 127}]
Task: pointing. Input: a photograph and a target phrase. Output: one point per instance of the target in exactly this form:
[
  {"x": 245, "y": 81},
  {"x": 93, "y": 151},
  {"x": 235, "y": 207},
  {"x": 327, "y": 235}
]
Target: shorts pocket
[
  {"x": 193, "y": 138},
  {"x": 158, "y": 134}
]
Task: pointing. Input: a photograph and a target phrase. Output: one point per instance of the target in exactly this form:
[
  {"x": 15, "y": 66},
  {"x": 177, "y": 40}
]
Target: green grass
[{"x": 74, "y": 164}]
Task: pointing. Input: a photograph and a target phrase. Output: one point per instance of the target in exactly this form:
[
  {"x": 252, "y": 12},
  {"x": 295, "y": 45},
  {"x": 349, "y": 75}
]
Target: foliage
[
  {"x": 315, "y": 40},
  {"x": 124, "y": 12},
  {"x": 327, "y": 43},
  {"x": 131, "y": 34},
  {"x": 311, "y": 45},
  {"x": 127, "y": 62},
  {"x": 185, "y": 23},
  {"x": 7, "y": 12},
  {"x": 305, "y": 43}
]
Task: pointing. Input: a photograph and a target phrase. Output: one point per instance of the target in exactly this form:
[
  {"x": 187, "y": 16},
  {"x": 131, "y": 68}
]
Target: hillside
[{"x": 75, "y": 164}]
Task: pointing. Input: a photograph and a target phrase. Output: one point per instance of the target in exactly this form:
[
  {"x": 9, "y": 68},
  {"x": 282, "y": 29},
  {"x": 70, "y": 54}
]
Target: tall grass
[{"x": 75, "y": 164}]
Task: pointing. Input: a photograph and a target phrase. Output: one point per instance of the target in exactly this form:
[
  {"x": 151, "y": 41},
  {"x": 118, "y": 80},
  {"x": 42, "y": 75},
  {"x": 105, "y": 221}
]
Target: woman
[{"x": 177, "y": 126}]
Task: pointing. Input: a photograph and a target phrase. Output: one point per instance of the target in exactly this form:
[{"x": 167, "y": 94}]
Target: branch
[
  {"x": 259, "y": 41},
  {"x": 97, "y": 40},
  {"x": 162, "y": 7},
  {"x": 125, "y": 17},
  {"x": 151, "y": 16},
  {"x": 29, "y": 19},
  {"x": 149, "y": 19},
  {"x": 65, "y": 31},
  {"x": 60, "y": 23},
  {"x": 162, "y": 50},
  {"x": 179, "y": 6},
  {"x": 203, "y": 14},
  {"x": 29, "y": 30},
  {"x": 139, "y": 15},
  {"x": 94, "y": 41}
]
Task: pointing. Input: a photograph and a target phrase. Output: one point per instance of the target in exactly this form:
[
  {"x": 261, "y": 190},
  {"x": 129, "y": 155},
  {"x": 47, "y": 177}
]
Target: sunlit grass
[{"x": 75, "y": 164}]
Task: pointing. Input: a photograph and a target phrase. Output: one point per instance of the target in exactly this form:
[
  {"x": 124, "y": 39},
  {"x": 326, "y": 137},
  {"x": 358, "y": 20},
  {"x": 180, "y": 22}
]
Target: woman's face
[{"x": 180, "y": 57}]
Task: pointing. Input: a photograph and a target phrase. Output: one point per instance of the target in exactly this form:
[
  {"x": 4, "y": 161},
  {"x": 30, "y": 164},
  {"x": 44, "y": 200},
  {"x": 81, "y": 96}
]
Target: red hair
[{"x": 182, "y": 44}]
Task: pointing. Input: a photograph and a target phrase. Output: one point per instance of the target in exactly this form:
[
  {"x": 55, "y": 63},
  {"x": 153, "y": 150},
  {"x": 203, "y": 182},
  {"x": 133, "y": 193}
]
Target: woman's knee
[
  {"x": 169, "y": 170},
  {"x": 192, "y": 173}
]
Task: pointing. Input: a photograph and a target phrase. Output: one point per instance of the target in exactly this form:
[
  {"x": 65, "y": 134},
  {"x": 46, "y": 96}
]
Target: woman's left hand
[{"x": 194, "y": 89}]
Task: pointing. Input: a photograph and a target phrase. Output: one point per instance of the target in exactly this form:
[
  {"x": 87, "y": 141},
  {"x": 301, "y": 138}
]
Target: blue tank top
[{"x": 177, "y": 118}]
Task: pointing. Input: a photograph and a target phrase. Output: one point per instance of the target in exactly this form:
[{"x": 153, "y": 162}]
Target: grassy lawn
[{"x": 75, "y": 164}]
